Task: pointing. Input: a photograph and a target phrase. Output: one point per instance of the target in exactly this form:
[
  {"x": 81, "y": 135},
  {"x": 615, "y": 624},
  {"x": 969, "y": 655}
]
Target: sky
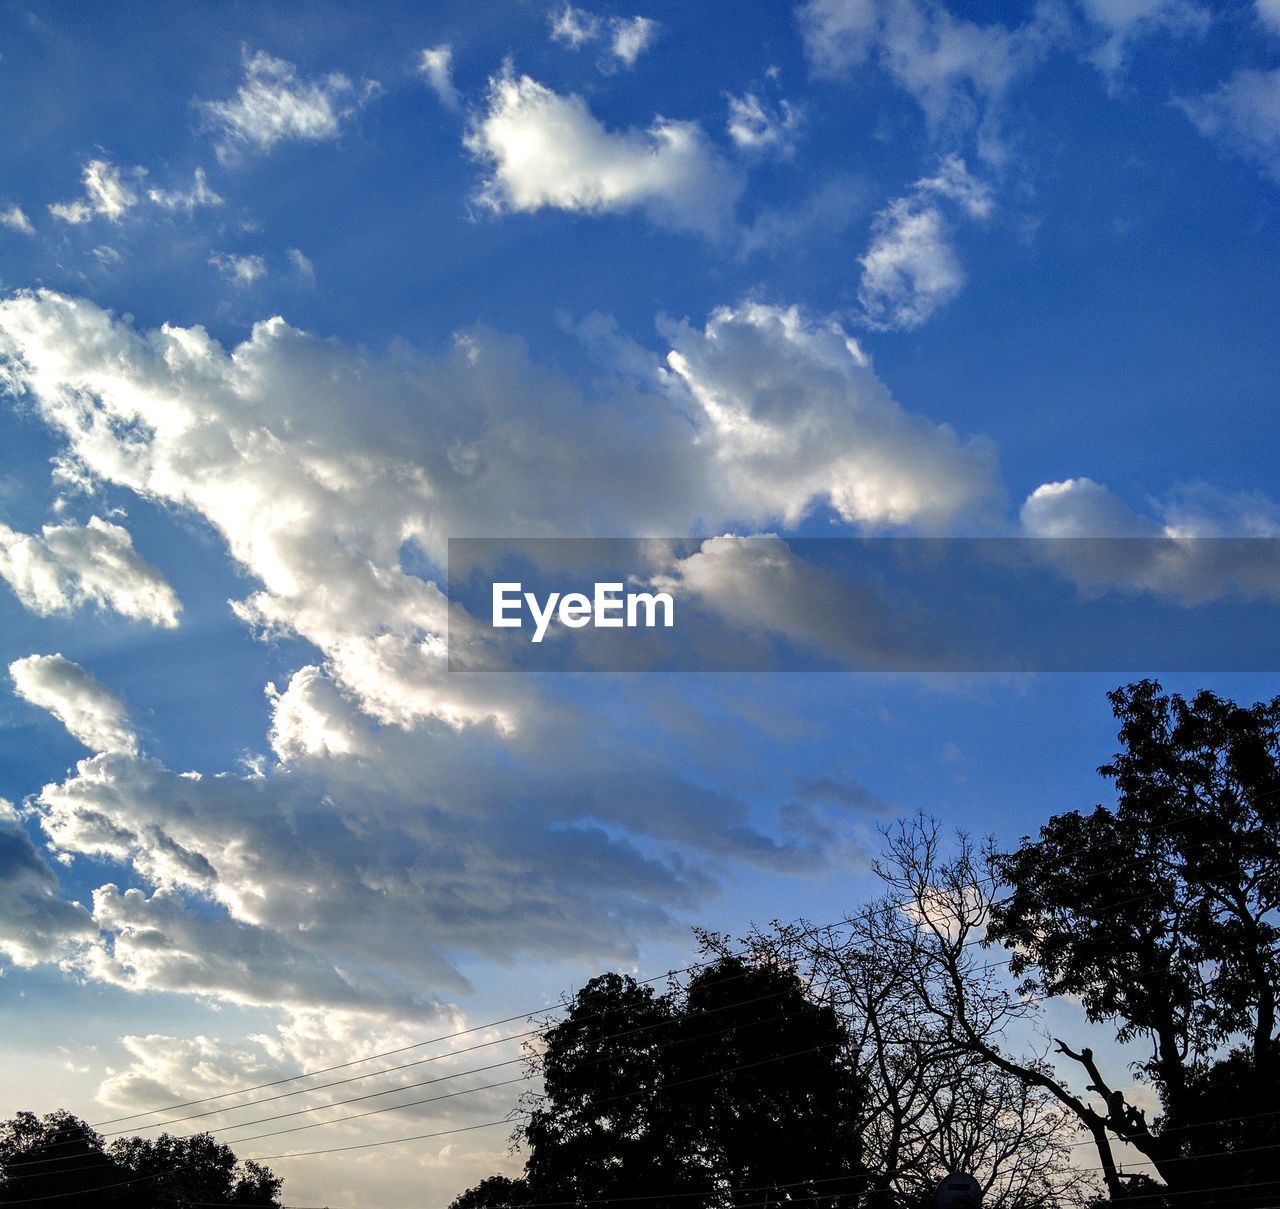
[{"x": 291, "y": 294}]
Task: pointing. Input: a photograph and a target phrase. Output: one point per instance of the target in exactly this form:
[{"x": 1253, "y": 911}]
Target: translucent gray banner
[{"x": 764, "y": 603}]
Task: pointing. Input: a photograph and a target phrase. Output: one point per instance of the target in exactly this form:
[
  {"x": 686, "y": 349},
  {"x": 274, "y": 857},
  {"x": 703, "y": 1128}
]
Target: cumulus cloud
[
  {"x": 12, "y": 218},
  {"x": 1244, "y": 115},
  {"x": 405, "y": 816},
  {"x": 958, "y": 71},
  {"x": 356, "y": 882},
  {"x": 544, "y": 150},
  {"x": 754, "y": 125},
  {"x": 70, "y": 565},
  {"x": 275, "y": 104},
  {"x": 1269, "y": 15},
  {"x": 90, "y": 711},
  {"x": 911, "y": 268},
  {"x": 625, "y": 38},
  {"x": 311, "y": 717},
  {"x": 760, "y": 417},
  {"x": 1174, "y": 561},
  {"x": 796, "y": 416},
  {"x": 435, "y": 65},
  {"x": 1081, "y": 508},
  {"x": 108, "y": 192},
  {"x": 157, "y": 942},
  {"x": 36, "y": 924},
  {"x": 186, "y": 200}
]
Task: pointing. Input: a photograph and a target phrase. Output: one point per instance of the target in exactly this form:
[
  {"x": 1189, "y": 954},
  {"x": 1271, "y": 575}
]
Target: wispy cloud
[
  {"x": 109, "y": 192},
  {"x": 435, "y": 65},
  {"x": 911, "y": 268},
  {"x": 625, "y": 39},
  {"x": 275, "y": 105},
  {"x": 14, "y": 219}
]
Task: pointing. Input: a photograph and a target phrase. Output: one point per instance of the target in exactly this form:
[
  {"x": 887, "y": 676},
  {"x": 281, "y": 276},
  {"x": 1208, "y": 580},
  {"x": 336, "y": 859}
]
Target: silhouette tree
[
  {"x": 1162, "y": 916},
  {"x": 931, "y": 1106},
  {"x": 604, "y": 1122},
  {"x": 494, "y": 1192},
  {"x": 192, "y": 1171},
  {"x": 733, "y": 1090},
  {"x": 765, "y": 1087},
  {"x": 58, "y": 1155}
]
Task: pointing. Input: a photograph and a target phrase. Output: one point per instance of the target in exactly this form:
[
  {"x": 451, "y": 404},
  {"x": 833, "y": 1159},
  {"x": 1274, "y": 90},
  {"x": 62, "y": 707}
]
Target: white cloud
[
  {"x": 355, "y": 883},
  {"x": 275, "y": 104},
  {"x": 958, "y": 71},
  {"x": 755, "y": 126},
  {"x": 70, "y": 565},
  {"x": 90, "y": 712},
  {"x": 36, "y": 925},
  {"x": 186, "y": 200},
  {"x": 163, "y": 1069},
  {"x": 107, "y": 192},
  {"x": 312, "y": 718},
  {"x": 574, "y": 27},
  {"x": 911, "y": 268},
  {"x": 14, "y": 219},
  {"x": 795, "y": 415},
  {"x": 157, "y": 942},
  {"x": 546, "y": 150},
  {"x": 631, "y": 37},
  {"x": 435, "y": 65},
  {"x": 1179, "y": 565},
  {"x": 1124, "y": 22},
  {"x": 239, "y": 270},
  {"x": 302, "y": 265},
  {"x": 405, "y": 793},
  {"x": 1081, "y": 508},
  {"x": 1244, "y": 115},
  {"x": 626, "y": 38},
  {"x": 1269, "y": 15},
  {"x": 956, "y": 183}
]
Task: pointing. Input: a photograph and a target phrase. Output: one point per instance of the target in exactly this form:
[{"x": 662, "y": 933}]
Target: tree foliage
[
  {"x": 1160, "y": 915},
  {"x": 58, "y": 1155},
  {"x": 732, "y": 1090}
]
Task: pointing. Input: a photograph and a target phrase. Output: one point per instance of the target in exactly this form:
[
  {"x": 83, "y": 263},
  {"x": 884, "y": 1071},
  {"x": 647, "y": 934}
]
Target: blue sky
[{"x": 291, "y": 294}]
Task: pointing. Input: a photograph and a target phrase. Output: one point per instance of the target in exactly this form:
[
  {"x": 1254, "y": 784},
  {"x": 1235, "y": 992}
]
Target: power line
[{"x": 737, "y": 1026}]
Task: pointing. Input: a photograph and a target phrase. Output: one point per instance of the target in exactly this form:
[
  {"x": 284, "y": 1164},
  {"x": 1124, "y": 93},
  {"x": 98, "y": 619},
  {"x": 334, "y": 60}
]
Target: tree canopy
[
  {"x": 59, "y": 1156},
  {"x": 731, "y": 1090}
]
